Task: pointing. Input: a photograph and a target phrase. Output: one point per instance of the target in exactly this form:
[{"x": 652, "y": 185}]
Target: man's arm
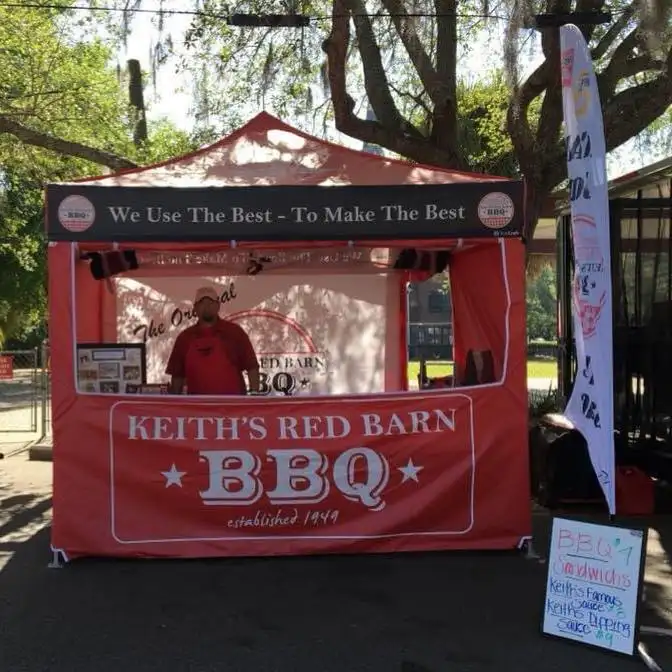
[
  {"x": 175, "y": 367},
  {"x": 253, "y": 376},
  {"x": 176, "y": 385},
  {"x": 249, "y": 361}
]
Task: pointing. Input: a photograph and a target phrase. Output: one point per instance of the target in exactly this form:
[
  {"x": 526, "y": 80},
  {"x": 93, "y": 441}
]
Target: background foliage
[
  {"x": 59, "y": 92},
  {"x": 387, "y": 73}
]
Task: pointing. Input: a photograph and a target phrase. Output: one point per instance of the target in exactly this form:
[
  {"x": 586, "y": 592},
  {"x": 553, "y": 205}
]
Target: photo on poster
[
  {"x": 132, "y": 374},
  {"x": 109, "y": 386},
  {"x": 108, "y": 370}
]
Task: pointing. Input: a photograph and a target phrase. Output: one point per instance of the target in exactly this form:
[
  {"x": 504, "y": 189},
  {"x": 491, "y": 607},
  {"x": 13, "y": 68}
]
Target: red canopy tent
[{"x": 289, "y": 228}]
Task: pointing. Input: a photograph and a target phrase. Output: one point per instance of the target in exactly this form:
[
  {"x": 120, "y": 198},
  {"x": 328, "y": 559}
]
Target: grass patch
[
  {"x": 542, "y": 368},
  {"x": 535, "y": 369}
]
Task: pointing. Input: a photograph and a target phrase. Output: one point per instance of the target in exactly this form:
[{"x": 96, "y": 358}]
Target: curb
[
  {"x": 18, "y": 451},
  {"x": 40, "y": 453},
  {"x": 33, "y": 448}
]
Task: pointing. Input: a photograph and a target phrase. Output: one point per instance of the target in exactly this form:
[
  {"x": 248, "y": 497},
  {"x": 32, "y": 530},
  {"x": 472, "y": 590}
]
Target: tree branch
[
  {"x": 612, "y": 34},
  {"x": 634, "y": 109},
  {"x": 550, "y": 118},
  {"x": 588, "y": 6},
  {"x": 67, "y": 147},
  {"x": 416, "y": 98},
  {"x": 376, "y": 83},
  {"x": 419, "y": 57},
  {"x": 336, "y": 47},
  {"x": 517, "y": 116},
  {"x": 608, "y": 79},
  {"x": 444, "y": 123},
  {"x": 626, "y": 115},
  {"x": 638, "y": 65}
]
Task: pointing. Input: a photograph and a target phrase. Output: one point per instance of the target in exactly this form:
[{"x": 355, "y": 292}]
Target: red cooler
[{"x": 635, "y": 492}]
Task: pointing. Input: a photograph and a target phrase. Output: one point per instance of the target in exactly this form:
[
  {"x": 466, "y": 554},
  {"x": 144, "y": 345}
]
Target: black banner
[{"x": 143, "y": 214}]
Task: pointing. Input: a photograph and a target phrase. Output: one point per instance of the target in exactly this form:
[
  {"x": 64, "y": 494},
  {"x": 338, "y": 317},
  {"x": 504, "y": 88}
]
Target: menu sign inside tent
[
  {"x": 465, "y": 210},
  {"x": 594, "y": 584}
]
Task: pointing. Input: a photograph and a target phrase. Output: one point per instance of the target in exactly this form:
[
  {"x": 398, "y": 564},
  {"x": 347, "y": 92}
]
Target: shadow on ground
[{"x": 388, "y": 613}]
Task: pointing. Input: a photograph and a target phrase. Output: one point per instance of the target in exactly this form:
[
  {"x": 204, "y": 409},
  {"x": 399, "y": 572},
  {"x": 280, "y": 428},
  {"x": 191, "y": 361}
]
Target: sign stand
[
  {"x": 526, "y": 544},
  {"x": 646, "y": 656},
  {"x": 57, "y": 554}
]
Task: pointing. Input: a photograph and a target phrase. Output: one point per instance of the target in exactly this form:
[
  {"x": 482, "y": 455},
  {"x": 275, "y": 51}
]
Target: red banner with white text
[{"x": 247, "y": 478}]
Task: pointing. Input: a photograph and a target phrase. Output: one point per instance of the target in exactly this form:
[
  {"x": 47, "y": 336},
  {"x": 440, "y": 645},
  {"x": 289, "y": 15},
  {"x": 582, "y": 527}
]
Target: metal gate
[
  {"x": 20, "y": 391},
  {"x": 45, "y": 412}
]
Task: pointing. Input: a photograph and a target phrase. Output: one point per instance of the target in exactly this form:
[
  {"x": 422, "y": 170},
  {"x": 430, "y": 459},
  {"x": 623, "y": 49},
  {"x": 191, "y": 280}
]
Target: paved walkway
[
  {"x": 542, "y": 383},
  {"x": 440, "y": 612},
  {"x": 15, "y": 426},
  {"x": 20, "y": 411}
]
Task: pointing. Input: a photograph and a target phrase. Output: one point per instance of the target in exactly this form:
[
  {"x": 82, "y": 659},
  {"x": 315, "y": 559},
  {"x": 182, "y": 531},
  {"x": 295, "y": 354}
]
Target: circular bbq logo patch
[
  {"x": 76, "y": 213},
  {"x": 496, "y": 210}
]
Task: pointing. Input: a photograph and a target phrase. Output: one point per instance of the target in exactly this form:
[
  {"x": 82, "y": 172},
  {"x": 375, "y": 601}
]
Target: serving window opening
[{"x": 328, "y": 320}]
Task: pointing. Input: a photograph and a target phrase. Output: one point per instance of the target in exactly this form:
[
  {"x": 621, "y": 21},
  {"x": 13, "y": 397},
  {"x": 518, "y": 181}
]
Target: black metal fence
[
  {"x": 430, "y": 341},
  {"x": 641, "y": 267},
  {"x": 46, "y": 404},
  {"x": 542, "y": 350},
  {"x": 435, "y": 342}
]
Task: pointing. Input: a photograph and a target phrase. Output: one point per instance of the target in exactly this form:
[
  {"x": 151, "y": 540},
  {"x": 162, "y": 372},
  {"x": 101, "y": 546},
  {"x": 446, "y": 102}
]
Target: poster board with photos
[{"x": 111, "y": 368}]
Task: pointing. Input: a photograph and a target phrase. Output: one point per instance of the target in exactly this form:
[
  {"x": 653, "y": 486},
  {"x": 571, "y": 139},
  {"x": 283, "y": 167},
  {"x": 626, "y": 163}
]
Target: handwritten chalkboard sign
[{"x": 594, "y": 584}]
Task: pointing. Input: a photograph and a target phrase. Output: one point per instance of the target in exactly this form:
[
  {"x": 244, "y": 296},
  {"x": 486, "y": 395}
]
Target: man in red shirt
[{"x": 210, "y": 356}]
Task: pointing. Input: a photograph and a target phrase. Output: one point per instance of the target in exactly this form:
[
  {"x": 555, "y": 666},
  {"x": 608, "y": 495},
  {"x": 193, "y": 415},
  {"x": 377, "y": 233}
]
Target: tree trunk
[
  {"x": 137, "y": 100},
  {"x": 534, "y": 201}
]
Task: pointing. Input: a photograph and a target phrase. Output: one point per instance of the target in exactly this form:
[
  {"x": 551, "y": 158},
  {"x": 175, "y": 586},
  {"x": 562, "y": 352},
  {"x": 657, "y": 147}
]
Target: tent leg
[
  {"x": 643, "y": 652},
  {"x": 527, "y": 546},
  {"x": 57, "y": 555},
  {"x": 648, "y": 660}
]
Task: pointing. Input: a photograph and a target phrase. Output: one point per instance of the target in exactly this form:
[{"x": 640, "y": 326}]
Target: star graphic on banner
[
  {"x": 173, "y": 477},
  {"x": 410, "y": 472},
  {"x": 305, "y": 382}
]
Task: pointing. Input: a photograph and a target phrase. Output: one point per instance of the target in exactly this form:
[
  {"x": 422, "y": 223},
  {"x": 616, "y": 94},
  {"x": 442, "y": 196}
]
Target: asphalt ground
[{"x": 434, "y": 612}]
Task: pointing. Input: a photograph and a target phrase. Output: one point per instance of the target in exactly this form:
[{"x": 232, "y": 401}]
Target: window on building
[{"x": 437, "y": 302}]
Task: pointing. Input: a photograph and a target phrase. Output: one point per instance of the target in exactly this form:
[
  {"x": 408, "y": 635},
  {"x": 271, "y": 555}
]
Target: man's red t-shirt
[{"x": 212, "y": 359}]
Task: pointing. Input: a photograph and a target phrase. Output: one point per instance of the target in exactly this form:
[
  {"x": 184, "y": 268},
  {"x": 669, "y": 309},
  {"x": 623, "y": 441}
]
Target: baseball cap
[{"x": 206, "y": 293}]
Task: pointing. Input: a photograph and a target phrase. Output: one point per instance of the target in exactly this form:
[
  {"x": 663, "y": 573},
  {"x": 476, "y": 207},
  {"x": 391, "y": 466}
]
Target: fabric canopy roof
[
  {"x": 269, "y": 182},
  {"x": 266, "y": 151}
]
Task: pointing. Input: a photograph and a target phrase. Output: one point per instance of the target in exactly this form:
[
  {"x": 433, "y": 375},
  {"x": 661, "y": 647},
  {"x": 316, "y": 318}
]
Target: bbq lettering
[
  {"x": 302, "y": 476},
  {"x": 233, "y": 473}
]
